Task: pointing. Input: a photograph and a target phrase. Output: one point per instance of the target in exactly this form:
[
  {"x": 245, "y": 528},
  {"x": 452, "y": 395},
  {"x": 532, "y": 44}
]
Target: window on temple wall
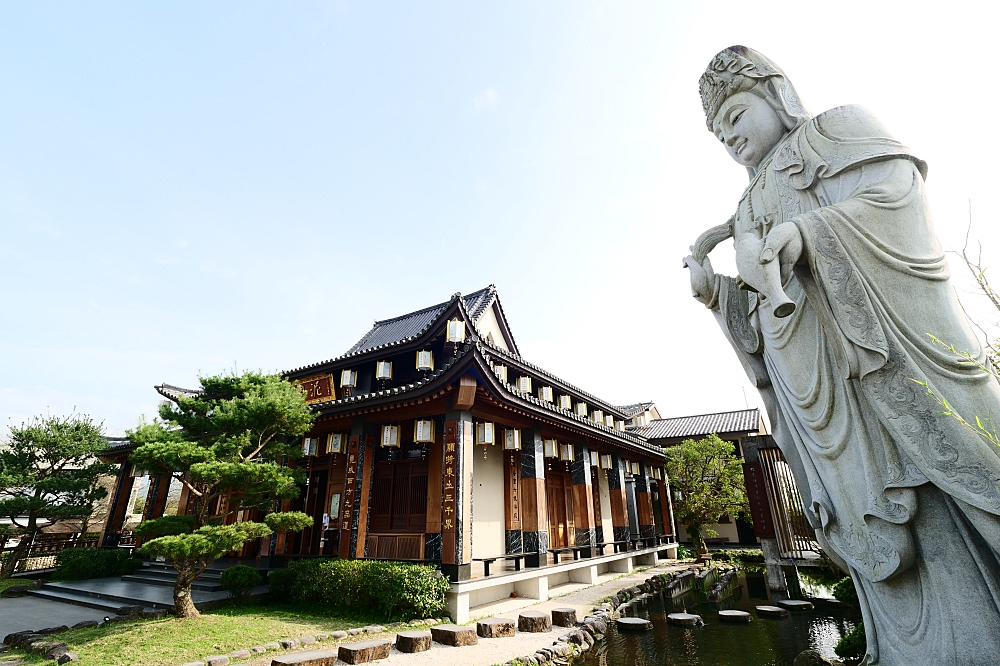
[{"x": 399, "y": 495}]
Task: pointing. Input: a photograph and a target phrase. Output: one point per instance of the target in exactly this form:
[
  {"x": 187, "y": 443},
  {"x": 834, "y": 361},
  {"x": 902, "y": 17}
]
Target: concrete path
[
  {"x": 491, "y": 651},
  {"x": 23, "y": 613}
]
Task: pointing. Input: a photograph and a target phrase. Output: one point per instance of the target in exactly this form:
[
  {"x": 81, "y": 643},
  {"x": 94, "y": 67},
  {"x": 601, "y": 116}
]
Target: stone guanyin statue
[{"x": 841, "y": 279}]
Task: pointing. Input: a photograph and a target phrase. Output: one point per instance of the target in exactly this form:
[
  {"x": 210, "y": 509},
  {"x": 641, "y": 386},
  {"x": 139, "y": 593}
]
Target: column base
[{"x": 457, "y": 572}]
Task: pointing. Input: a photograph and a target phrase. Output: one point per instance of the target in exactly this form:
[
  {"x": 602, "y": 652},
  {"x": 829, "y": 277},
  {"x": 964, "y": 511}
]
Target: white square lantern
[
  {"x": 634, "y": 467},
  {"x": 566, "y": 452},
  {"x": 658, "y": 473},
  {"x": 594, "y": 462},
  {"x": 581, "y": 409},
  {"x": 566, "y": 402},
  {"x": 309, "y": 446},
  {"x": 605, "y": 461},
  {"x": 524, "y": 384},
  {"x": 620, "y": 425},
  {"x": 390, "y": 436},
  {"x": 425, "y": 360},
  {"x": 486, "y": 433},
  {"x": 501, "y": 371},
  {"x": 551, "y": 448},
  {"x": 456, "y": 331},
  {"x": 348, "y": 379},
  {"x": 609, "y": 420},
  {"x": 597, "y": 415},
  {"x": 423, "y": 431},
  {"x": 512, "y": 439},
  {"x": 545, "y": 393},
  {"x": 335, "y": 443},
  {"x": 383, "y": 370}
]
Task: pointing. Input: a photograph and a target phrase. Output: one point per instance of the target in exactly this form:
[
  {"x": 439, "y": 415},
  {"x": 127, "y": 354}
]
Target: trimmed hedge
[
  {"x": 240, "y": 581},
  {"x": 398, "y": 590},
  {"x": 81, "y": 563}
]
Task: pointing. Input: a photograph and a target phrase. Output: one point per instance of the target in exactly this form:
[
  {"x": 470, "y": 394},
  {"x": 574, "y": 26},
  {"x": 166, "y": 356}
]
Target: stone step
[
  {"x": 171, "y": 573},
  {"x": 164, "y": 581},
  {"x": 110, "y": 606}
]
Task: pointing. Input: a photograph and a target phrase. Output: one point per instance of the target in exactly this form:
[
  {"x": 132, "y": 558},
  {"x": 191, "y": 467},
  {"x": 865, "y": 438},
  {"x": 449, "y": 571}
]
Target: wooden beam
[{"x": 466, "y": 395}]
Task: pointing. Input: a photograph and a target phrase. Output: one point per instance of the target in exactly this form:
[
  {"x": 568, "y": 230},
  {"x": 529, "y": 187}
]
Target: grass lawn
[
  {"x": 10, "y": 582},
  {"x": 171, "y": 642}
]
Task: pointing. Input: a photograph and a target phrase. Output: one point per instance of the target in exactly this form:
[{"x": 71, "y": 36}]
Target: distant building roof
[
  {"x": 173, "y": 392},
  {"x": 632, "y": 410},
  {"x": 744, "y": 420}
]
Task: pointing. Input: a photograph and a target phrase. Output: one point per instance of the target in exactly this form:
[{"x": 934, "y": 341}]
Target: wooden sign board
[{"x": 318, "y": 388}]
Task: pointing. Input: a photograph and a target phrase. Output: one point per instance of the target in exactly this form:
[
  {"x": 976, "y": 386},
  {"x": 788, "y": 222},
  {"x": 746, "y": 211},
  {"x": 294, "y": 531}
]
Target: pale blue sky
[{"x": 189, "y": 186}]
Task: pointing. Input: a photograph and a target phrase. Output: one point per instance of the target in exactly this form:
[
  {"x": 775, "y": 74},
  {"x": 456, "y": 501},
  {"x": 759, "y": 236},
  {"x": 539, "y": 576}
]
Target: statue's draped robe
[{"x": 904, "y": 496}]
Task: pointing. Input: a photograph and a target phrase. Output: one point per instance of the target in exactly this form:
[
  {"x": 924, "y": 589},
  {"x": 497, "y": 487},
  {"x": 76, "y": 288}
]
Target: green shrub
[
  {"x": 684, "y": 553},
  {"x": 742, "y": 555},
  {"x": 280, "y": 583},
  {"x": 397, "y": 590},
  {"x": 96, "y": 563},
  {"x": 853, "y": 645},
  {"x": 77, "y": 569},
  {"x": 240, "y": 581},
  {"x": 846, "y": 593}
]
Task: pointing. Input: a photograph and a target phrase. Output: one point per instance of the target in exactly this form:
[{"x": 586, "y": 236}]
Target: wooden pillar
[
  {"x": 349, "y": 504},
  {"x": 156, "y": 501},
  {"x": 512, "y": 502},
  {"x": 598, "y": 517},
  {"x": 456, "y": 497},
  {"x": 619, "y": 506},
  {"x": 666, "y": 505},
  {"x": 583, "y": 499},
  {"x": 366, "y": 461},
  {"x": 119, "y": 505},
  {"x": 432, "y": 530},
  {"x": 644, "y": 502},
  {"x": 534, "y": 515}
]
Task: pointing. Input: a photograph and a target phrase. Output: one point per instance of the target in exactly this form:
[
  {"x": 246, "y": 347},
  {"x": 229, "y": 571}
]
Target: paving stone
[
  {"x": 307, "y": 640},
  {"x": 338, "y": 635},
  {"x": 273, "y": 646},
  {"x": 356, "y": 631},
  {"x": 308, "y": 658},
  {"x": 734, "y": 616},
  {"x": 454, "y": 634},
  {"x": 217, "y": 660},
  {"x": 771, "y": 611},
  {"x": 194, "y": 663},
  {"x": 414, "y": 641},
  {"x": 239, "y": 654},
  {"x": 374, "y": 629},
  {"x": 290, "y": 643},
  {"x": 322, "y": 637},
  {"x": 363, "y": 652},
  {"x": 68, "y": 657},
  {"x": 679, "y": 619},
  {"x": 258, "y": 649},
  {"x": 795, "y": 604},
  {"x": 495, "y": 627},
  {"x": 429, "y": 621},
  {"x": 564, "y": 617},
  {"x": 85, "y": 624},
  {"x": 534, "y": 622}
]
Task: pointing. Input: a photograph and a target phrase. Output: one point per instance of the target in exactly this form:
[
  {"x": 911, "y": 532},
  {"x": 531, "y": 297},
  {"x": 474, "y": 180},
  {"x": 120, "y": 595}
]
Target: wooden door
[{"x": 555, "y": 499}]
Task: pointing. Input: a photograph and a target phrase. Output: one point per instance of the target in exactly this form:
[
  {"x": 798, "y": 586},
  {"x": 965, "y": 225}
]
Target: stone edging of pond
[{"x": 594, "y": 627}]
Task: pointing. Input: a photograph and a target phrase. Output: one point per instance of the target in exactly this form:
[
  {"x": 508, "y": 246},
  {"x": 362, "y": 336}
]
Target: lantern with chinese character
[
  {"x": 512, "y": 439},
  {"x": 309, "y": 445},
  {"x": 597, "y": 415},
  {"x": 423, "y": 430},
  {"x": 566, "y": 453},
  {"x": 524, "y": 384},
  {"x": 609, "y": 420},
  {"x": 390, "y": 436},
  {"x": 501, "y": 371},
  {"x": 485, "y": 433},
  {"x": 335, "y": 443},
  {"x": 545, "y": 393},
  {"x": 605, "y": 461},
  {"x": 581, "y": 409},
  {"x": 593, "y": 459},
  {"x": 456, "y": 331},
  {"x": 425, "y": 360},
  {"x": 383, "y": 370},
  {"x": 551, "y": 448},
  {"x": 566, "y": 402},
  {"x": 348, "y": 379}
]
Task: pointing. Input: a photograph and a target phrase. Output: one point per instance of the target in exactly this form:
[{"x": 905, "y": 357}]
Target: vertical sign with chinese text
[{"x": 350, "y": 496}]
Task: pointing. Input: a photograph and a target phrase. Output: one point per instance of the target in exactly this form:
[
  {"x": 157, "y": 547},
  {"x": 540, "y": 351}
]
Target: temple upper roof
[{"x": 743, "y": 421}]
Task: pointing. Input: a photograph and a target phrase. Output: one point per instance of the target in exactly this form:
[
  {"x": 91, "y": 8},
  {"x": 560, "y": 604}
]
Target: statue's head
[{"x": 749, "y": 104}]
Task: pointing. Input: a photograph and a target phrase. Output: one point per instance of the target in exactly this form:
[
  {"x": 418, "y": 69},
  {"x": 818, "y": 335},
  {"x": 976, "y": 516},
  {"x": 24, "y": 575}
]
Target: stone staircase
[{"x": 150, "y": 587}]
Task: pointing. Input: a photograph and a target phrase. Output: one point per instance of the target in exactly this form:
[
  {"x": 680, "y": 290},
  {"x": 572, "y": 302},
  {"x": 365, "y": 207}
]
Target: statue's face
[{"x": 748, "y": 127}]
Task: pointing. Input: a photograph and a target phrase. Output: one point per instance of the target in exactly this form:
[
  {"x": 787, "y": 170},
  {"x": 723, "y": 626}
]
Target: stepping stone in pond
[
  {"x": 453, "y": 634},
  {"x": 634, "y": 624},
  {"x": 495, "y": 627},
  {"x": 734, "y": 616},
  {"x": 795, "y": 604},
  {"x": 413, "y": 641},
  {"x": 685, "y": 620},
  {"x": 309, "y": 658},
  {"x": 564, "y": 617},
  {"x": 534, "y": 622},
  {"x": 357, "y": 653},
  {"x": 771, "y": 611}
]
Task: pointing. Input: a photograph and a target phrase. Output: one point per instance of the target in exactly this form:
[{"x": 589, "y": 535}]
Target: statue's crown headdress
[{"x": 730, "y": 72}]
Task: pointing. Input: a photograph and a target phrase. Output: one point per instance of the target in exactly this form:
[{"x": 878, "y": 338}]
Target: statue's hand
[
  {"x": 702, "y": 279},
  {"x": 784, "y": 242}
]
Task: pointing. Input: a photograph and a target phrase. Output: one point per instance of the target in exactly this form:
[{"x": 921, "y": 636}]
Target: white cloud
[{"x": 485, "y": 100}]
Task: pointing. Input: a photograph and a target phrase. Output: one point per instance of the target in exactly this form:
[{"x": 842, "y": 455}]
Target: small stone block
[
  {"x": 355, "y": 632},
  {"x": 734, "y": 616},
  {"x": 363, "y": 652},
  {"x": 68, "y": 657},
  {"x": 322, "y": 637},
  {"x": 218, "y": 660},
  {"x": 453, "y": 634},
  {"x": 128, "y": 611},
  {"x": 55, "y": 651},
  {"x": 194, "y": 663},
  {"x": 272, "y": 646},
  {"x": 795, "y": 604},
  {"x": 309, "y": 658},
  {"x": 771, "y": 611},
  {"x": 495, "y": 627},
  {"x": 682, "y": 620},
  {"x": 338, "y": 635},
  {"x": 157, "y": 614},
  {"x": 534, "y": 622},
  {"x": 564, "y": 617},
  {"x": 429, "y": 621},
  {"x": 239, "y": 654},
  {"x": 374, "y": 629},
  {"x": 307, "y": 640},
  {"x": 86, "y": 624},
  {"x": 633, "y": 624},
  {"x": 290, "y": 643},
  {"x": 258, "y": 649},
  {"x": 414, "y": 641}
]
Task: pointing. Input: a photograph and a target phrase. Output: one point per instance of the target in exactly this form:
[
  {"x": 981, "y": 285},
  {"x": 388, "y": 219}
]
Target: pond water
[{"x": 762, "y": 642}]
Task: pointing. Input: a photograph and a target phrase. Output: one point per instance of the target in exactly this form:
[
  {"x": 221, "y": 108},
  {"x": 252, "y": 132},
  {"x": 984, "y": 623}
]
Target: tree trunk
[
  {"x": 699, "y": 541},
  {"x": 183, "y": 606},
  {"x": 19, "y": 553}
]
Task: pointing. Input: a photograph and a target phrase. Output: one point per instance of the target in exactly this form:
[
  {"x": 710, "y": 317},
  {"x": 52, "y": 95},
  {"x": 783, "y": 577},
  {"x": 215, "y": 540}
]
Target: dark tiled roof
[
  {"x": 632, "y": 410},
  {"x": 173, "y": 392},
  {"x": 115, "y": 443},
  {"x": 744, "y": 420},
  {"x": 405, "y": 327}
]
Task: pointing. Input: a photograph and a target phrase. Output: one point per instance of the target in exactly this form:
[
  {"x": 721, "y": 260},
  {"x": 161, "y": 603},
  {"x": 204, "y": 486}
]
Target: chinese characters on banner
[
  {"x": 318, "y": 388},
  {"x": 449, "y": 497},
  {"x": 515, "y": 495},
  {"x": 350, "y": 494}
]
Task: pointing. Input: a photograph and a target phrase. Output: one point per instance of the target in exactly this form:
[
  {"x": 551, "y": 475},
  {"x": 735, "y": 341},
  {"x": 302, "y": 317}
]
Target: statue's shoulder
[{"x": 837, "y": 140}]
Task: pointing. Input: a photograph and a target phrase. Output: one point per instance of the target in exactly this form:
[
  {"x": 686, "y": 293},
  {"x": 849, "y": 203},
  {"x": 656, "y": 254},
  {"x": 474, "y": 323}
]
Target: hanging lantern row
[
  {"x": 512, "y": 439},
  {"x": 390, "y": 436},
  {"x": 486, "y": 433},
  {"x": 335, "y": 443},
  {"x": 383, "y": 370},
  {"x": 581, "y": 409},
  {"x": 524, "y": 384},
  {"x": 423, "y": 431},
  {"x": 594, "y": 459},
  {"x": 309, "y": 446},
  {"x": 605, "y": 460},
  {"x": 550, "y": 448},
  {"x": 597, "y": 415},
  {"x": 545, "y": 393},
  {"x": 566, "y": 453},
  {"x": 348, "y": 379},
  {"x": 501, "y": 371},
  {"x": 425, "y": 360},
  {"x": 566, "y": 402}
]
